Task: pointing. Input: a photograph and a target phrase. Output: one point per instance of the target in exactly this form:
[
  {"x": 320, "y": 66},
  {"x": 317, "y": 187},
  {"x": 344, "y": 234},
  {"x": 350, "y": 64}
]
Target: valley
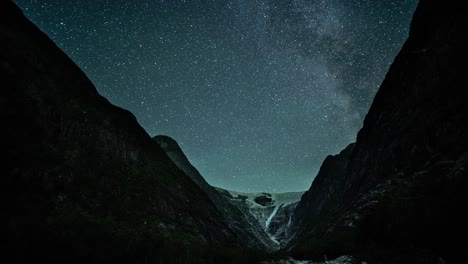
[{"x": 84, "y": 183}]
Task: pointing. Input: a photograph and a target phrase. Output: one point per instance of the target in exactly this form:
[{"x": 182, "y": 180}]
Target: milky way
[{"x": 257, "y": 93}]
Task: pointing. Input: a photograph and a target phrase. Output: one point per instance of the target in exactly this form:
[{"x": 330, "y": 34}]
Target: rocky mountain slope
[
  {"x": 81, "y": 180},
  {"x": 398, "y": 194},
  {"x": 274, "y": 211},
  {"x": 240, "y": 220},
  {"x": 262, "y": 219}
]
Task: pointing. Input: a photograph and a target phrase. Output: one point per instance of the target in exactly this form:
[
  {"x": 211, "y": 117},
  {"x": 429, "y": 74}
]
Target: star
[{"x": 258, "y": 92}]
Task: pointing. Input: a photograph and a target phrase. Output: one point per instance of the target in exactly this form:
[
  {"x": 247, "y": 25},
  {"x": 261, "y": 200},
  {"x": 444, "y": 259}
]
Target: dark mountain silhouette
[
  {"x": 82, "y": 181},
  {"x": 398, "y": 194}
]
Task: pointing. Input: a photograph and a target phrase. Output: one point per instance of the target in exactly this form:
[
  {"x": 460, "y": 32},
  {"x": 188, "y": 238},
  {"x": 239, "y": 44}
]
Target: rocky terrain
[
  {"x": 274, "y": 211},
  {"x": 397, "y": 195}
]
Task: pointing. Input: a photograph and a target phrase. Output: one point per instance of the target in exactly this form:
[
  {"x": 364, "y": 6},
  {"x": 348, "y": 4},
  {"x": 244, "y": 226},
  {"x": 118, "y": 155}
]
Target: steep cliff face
[
  {"x": 243, "y": 223},
  {"x": 81, "y": 180},
  {"x": 398, "y": 195},
  {"x": 326, "y": 191}
]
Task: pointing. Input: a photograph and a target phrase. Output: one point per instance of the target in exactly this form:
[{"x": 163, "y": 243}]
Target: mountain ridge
[
  {"x": 395, "y": 195},
  {"x": 82, "y": 180}
]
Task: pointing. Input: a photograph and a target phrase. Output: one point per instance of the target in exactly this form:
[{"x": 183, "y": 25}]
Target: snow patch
[{"x": 277, "y": 198}]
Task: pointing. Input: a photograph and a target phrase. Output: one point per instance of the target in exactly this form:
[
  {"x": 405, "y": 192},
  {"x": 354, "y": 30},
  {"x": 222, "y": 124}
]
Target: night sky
[{"x": 256, "y": 92}]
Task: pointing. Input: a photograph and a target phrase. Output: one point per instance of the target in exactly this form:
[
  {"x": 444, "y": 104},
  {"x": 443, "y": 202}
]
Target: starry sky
[{"x": 256, "y": 92}]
